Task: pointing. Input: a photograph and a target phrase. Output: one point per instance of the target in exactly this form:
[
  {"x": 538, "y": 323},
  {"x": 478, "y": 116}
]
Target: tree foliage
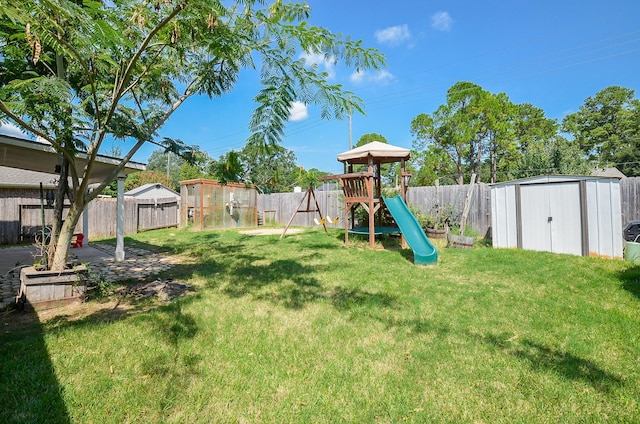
[
  {"x": 479, "y": 132},
  {"x": 129, "y": 64},
  {"x": 607, "y": 129},
  {"x": 370, "y": 137},
  {"x": 272, "y": 169},
  {"x": 166, "y": 163}
]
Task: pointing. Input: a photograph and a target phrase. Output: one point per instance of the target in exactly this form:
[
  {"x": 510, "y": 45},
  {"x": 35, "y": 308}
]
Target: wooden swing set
[{"x": 309, "y": 209}]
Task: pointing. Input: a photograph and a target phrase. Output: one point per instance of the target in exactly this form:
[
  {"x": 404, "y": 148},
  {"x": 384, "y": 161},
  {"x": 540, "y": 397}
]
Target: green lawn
[{"x": 305, "y": 329}]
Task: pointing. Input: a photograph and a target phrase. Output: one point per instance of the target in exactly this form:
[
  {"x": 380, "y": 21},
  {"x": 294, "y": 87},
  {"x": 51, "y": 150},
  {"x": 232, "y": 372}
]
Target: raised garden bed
[{"x": 49, "y": 289}]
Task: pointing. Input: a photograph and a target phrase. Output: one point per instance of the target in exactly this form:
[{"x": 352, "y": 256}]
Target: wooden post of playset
[{"x": 307, "y": 196}]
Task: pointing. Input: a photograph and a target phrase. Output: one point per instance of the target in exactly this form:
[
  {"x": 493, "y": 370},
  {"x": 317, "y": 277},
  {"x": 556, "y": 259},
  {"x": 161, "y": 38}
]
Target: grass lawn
[{"x": 305, "y": 329}]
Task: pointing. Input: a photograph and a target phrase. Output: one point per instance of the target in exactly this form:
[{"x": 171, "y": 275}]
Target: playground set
[{"x": 363, "y": 189}]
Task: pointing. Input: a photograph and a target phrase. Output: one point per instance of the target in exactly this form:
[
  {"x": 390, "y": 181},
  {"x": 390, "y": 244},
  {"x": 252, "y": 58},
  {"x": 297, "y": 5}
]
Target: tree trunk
[
  {"x": 66, "y": 233},
  {"x": 56, "y": 227}
]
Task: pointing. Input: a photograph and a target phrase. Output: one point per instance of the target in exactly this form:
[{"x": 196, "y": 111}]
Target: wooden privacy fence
[
  {"x": 630, "y": 199},
  {"x": 21, "y": 216},
  {"x": 139, "y": 215},
  {"x": 428, "y": 198},
  {"x": 280, "y": 207}
]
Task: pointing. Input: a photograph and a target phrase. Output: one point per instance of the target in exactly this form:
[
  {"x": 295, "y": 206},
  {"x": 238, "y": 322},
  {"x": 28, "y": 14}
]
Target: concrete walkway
[{"x": 138, "y": 264}]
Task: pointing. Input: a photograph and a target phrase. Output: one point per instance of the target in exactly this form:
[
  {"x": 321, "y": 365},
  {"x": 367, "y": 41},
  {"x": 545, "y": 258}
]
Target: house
[
  {"x": 20, "y": 203},
  {"x": 27, "y": 163},
  {"x": 607, "y": 172}
]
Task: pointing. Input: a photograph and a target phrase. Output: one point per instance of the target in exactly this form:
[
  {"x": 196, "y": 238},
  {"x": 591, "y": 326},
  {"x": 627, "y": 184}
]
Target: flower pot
[
  {"x": 436, "y": 234},
  {"x": 463, "y": 242},
  {"x": 48, "y": 289},
  {"x": 632, "y": 251}
]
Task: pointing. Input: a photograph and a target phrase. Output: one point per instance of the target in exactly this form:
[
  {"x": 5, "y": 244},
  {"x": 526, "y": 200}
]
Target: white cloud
[
  {"x": 325, "y": 63},
  {"x": 381, "y": 76},
  {"x": 441, "y": 21},
  {"x": 357, "y": 76},
  {"x": 9, "y": 129},
  {"x": 362, "y": 76},
  {"x": 393, "y": 35},
  {"x": 298, "y": 112}
]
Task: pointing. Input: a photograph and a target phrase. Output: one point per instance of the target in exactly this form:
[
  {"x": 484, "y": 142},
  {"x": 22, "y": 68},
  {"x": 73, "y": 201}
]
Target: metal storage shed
[{"x": 579, "y": 215}]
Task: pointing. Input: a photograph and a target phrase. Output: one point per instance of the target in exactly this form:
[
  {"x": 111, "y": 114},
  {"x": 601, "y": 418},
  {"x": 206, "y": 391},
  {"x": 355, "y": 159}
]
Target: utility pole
[{"x": 350, "y": 128}]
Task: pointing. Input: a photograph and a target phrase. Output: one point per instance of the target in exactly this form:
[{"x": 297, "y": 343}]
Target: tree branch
[
  {"x": 186, "y": 94},
  {"x": 25, "y": 125}
]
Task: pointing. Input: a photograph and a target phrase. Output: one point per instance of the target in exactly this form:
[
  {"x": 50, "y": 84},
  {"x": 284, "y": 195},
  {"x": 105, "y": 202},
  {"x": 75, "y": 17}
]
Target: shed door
[{"x": 551, "y": 217}]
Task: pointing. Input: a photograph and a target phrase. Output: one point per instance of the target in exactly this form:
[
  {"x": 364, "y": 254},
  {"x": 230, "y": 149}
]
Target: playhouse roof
[{"x": 378, "y": 151}]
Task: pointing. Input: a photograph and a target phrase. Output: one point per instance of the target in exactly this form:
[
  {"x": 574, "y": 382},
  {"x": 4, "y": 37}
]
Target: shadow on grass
[
  {"x": 548, "y": 359},
  {"x": 29, "y": 390},
  {"x": 346, "y": 299},
  {"x": 178, "y": 245},
  {"x": 176, "y": 366},
  {"x": 539, "y": 357},
  {"x": 35, "y": 395},
  {"x": 285, "y": 282},
  {"x": 631, "y": 280}
]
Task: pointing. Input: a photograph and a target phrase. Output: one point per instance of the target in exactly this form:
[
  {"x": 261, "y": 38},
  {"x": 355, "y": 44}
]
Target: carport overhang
[{"x": 42, "y": 157}]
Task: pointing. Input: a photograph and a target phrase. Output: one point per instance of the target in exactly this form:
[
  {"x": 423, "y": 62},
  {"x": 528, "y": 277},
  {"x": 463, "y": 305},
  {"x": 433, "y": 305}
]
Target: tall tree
[
  {"x": 168, "y": 164},
  {"x": 369, "y": 137},
  {"x": 607, "y": 128},
  {"x": 500, "y": 143},
  {"x": 554, "y": 156},
  {"x": 454, "y": 129},
  {"x": 272, "y": 169},
  {"x": 129, "y": 65}
]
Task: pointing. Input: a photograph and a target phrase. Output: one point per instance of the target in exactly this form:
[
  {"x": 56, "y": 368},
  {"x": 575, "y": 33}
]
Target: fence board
[
  {"x": 157, "y": 213},
  {"x": 282, "y": 206},
  {"x": 630, "y": 199}
]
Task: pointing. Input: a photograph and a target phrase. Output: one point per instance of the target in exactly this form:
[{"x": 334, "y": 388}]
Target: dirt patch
[
  {"x": 125, "y": 302},
  {"x": 164, "y": 290},
  {"x": 270, "y": 231}
]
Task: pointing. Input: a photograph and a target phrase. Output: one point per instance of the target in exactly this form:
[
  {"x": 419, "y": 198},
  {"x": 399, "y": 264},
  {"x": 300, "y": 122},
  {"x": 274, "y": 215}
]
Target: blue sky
[{"x": 550, "y": 53}]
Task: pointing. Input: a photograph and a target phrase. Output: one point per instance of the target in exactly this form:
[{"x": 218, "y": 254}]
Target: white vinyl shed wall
[{"x": 578, "y": 215}]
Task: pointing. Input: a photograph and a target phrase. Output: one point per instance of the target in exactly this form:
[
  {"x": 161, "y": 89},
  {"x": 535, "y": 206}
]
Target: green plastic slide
[{"x": 424, "y": 252}]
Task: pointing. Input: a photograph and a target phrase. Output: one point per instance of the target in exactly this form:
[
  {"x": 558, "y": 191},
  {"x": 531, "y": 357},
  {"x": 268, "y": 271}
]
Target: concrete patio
[{"x": 138, "y": 264}]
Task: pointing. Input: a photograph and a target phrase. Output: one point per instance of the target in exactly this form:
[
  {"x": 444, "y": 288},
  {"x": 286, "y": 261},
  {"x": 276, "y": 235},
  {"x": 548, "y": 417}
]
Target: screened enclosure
[{"x": 207, "y": 204}]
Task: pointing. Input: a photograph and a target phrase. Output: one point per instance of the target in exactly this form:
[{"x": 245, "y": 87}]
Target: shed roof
[
  {"x": 545, "y": 179},
  {"x": 151, "y": 187},
  {"x": 378, "y": 151}
]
